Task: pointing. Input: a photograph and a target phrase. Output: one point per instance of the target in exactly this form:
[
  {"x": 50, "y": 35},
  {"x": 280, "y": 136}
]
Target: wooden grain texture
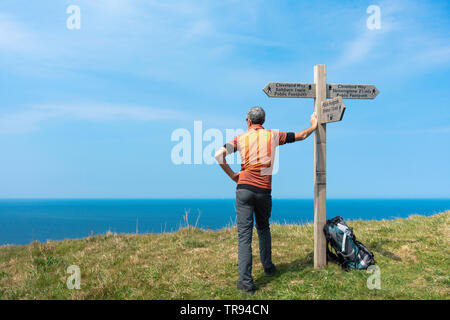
[{"x": 320, "y": 181}]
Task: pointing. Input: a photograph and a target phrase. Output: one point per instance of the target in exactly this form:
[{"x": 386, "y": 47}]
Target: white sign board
[
  {"x": 352, "y": 91},
  {"x": 290, "y": 90},
  {"x": 332, "y": 110}
]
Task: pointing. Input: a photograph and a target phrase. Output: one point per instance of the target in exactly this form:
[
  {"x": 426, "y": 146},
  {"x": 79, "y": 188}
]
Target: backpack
[{"x": 350, "y": 253}]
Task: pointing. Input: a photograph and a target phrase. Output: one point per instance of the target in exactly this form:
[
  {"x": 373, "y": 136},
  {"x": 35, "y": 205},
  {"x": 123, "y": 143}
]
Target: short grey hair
[{"x": 256, "y": 115}]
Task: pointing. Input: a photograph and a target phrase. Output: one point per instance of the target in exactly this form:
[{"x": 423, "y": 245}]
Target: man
[{"x": 257, "y": 149}]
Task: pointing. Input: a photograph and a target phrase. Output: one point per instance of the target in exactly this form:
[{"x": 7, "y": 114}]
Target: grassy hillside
[{"x": 413, "y": 256}]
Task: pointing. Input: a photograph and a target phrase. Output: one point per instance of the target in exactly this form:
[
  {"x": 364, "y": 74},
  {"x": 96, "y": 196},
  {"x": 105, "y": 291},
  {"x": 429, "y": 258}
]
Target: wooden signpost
[{"x": 327, "y": 111}]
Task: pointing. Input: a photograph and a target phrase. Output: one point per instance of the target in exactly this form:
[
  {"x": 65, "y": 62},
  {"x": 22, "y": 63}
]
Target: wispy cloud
[
  {"x": 435, "y": 55},
  {"x": 400, "y": 43},
  {"x": 436, "y": 130},
  {"x": 112, "y": 7},
  {"x": 31, "y": 118},
  {"x": 358, "y": 49},
  {"x": 15, "y": 37},
  {"x": 367, "y": 42},
  {"x": 34, "y": 117},
  {"x": 114, "y": 33}
]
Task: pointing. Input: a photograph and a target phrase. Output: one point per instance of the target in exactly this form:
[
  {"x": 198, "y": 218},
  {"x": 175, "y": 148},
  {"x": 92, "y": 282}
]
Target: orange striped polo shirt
[{"x": 257, "y": 149}]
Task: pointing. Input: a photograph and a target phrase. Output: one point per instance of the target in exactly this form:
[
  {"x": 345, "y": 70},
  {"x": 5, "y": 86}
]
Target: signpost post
[{"x": 327, "y": 111}]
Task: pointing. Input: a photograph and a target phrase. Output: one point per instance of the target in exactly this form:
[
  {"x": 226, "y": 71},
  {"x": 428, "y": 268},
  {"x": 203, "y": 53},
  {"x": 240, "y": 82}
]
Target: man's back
[{"x": 257, "y": 149}]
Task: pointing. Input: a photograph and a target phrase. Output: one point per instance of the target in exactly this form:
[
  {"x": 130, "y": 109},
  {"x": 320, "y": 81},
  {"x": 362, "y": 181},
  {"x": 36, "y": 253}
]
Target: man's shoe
[
  {"x": 241, "y": 287},
  {"x": 270, "y": 272}
]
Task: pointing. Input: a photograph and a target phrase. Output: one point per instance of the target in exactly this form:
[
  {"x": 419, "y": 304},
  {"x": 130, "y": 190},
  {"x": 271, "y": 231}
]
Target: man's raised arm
[{"x": 302, "y": 135}]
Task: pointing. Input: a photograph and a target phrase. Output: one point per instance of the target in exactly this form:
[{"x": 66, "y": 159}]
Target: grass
[{"x": 412, "y": 254}]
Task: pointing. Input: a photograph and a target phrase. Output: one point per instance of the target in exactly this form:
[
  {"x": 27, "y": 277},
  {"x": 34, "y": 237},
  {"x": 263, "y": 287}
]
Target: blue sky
[{"x": 90, "y": 112}]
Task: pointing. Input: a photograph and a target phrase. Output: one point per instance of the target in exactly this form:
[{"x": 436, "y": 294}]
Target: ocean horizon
[{"x": 25, "y": 220}]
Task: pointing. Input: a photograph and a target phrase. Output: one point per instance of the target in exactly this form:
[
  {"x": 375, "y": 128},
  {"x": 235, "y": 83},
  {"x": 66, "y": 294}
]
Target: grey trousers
[{"x": 247, "y": 203}]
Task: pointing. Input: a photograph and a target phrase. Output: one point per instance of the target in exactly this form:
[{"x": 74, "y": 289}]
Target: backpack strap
[{"x": 337, "y": 259}]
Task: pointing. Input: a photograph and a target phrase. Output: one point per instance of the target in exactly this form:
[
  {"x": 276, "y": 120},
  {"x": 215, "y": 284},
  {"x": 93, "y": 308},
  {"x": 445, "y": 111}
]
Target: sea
[{"x": 25, "y": 220}]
